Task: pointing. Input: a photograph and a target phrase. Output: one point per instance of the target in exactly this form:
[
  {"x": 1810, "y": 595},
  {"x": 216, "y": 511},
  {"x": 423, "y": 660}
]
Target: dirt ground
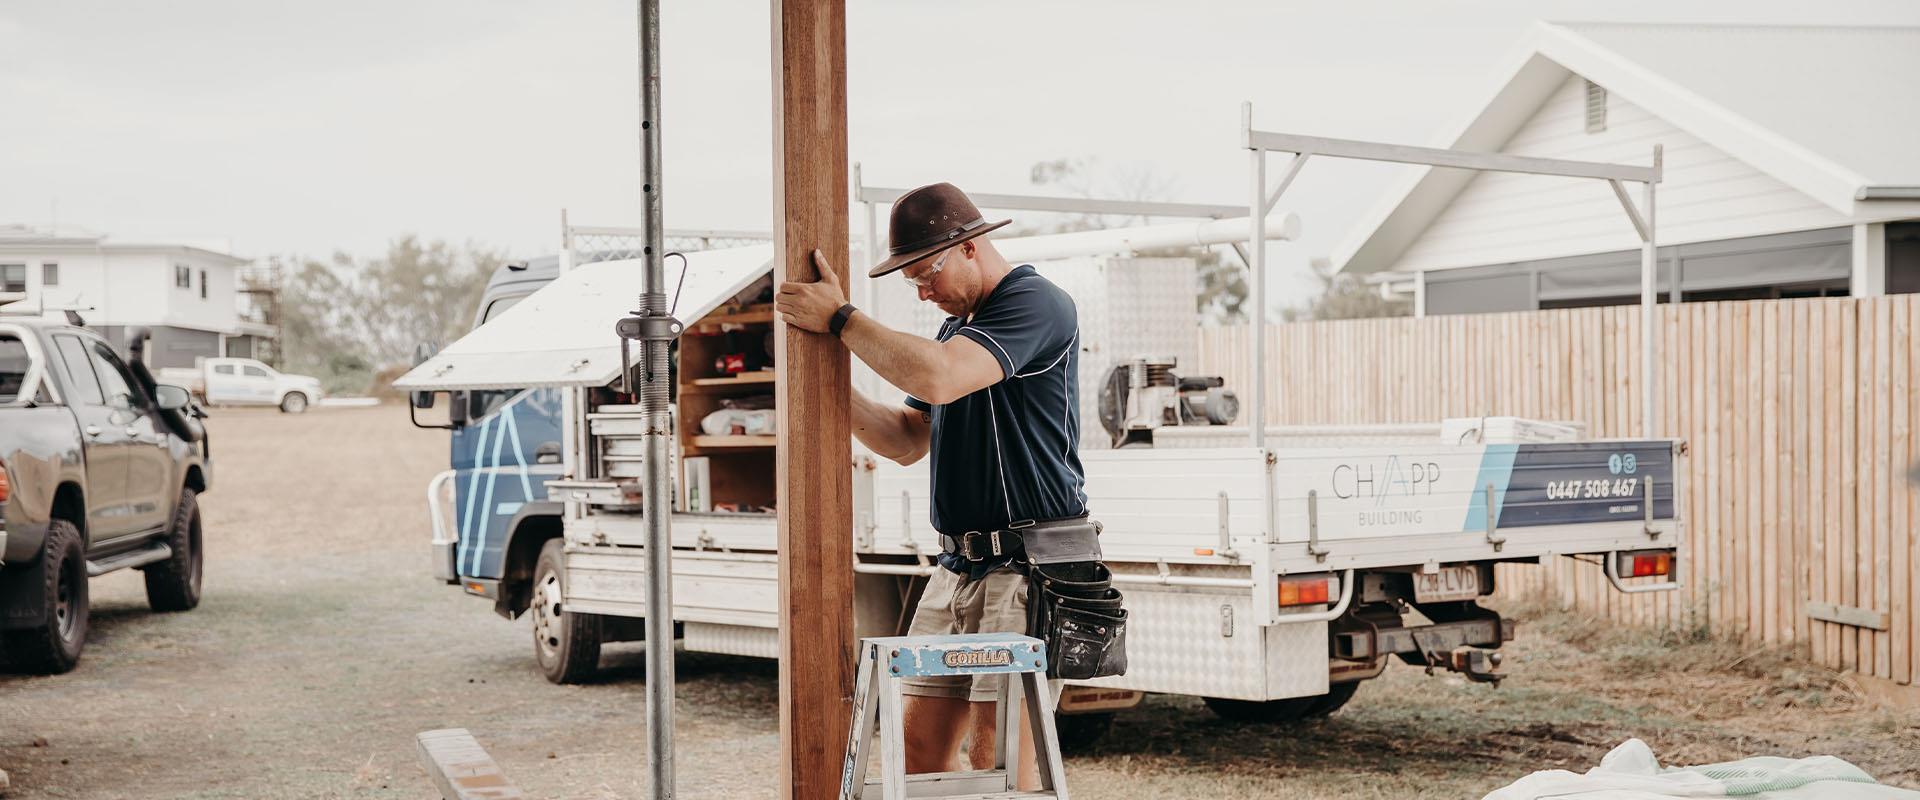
[{"x": 323, "y": 646}]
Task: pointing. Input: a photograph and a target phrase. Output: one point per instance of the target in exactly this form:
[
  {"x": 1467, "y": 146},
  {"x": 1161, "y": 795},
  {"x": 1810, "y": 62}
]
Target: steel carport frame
[
  {"x": 870, "y": 198},
  {"x": 1258, "y": 143}
]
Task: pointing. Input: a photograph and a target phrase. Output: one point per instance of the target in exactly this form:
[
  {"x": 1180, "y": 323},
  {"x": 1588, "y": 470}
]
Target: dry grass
[{"x": 1578, "y": 687}]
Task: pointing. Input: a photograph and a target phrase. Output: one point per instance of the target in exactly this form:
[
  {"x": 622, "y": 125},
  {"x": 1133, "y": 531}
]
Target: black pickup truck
[{"x": 100, "y": 468}]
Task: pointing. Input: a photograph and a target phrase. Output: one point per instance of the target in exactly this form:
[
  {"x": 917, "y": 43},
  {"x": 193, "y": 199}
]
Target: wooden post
[{"x": 812, "y": 391}]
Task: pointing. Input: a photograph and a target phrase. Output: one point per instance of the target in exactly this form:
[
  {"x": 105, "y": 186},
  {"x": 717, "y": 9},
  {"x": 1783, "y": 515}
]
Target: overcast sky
[{"x": 309, "y": 127}]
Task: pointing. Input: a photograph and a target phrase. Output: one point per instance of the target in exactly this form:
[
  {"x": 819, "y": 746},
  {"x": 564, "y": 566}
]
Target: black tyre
[
  {"x": 174, "y": 584},
  {"x": 1079, "y": 732},
  {"x": 566, "y": 644},
  {"x": 54, "y": 646},
  {"x": 1337, "y": 695},
  {"x": 1291, "y": 709},
  {"x": 294, "y": 403}
]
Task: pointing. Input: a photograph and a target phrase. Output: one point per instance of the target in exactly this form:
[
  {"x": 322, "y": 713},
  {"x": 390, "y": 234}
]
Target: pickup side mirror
[{"x": 171, "y": 398}]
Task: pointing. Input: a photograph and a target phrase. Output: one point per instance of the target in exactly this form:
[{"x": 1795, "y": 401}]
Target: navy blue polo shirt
[{"x": 1010, "y": 452}]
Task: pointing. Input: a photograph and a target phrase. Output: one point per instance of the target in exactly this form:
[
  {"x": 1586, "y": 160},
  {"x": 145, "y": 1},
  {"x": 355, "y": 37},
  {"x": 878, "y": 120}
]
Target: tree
[
  {"x": 1345, "y": 296},
  {"x": 1222, "y": 293},
  {"x": 420, "y": 292},
  {"x": 345, "y": 320}
]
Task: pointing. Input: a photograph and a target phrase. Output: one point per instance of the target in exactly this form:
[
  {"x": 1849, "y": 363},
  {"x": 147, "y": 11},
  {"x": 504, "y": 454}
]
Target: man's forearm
[
  {"x": 910, "y": 362},
  {"x": 881, "y": 428}
]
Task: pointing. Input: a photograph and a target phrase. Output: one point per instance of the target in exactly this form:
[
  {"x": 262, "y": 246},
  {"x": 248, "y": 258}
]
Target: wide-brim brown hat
[{"x": 928, "y": 220}]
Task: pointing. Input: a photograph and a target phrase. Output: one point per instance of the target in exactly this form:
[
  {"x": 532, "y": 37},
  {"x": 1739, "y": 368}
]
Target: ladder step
[
  {"x": 970, "y": 785},
  {"x": 962, "y": 654}
]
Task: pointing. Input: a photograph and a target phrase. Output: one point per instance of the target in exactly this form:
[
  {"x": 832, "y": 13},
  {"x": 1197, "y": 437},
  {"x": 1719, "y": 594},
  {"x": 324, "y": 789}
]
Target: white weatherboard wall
[
  {"x": 122, "y": 287},
  {"x": 1707, "y": 195}
]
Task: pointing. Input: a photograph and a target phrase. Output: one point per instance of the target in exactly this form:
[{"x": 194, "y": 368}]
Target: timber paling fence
[{"x": 1800, "y": 417}]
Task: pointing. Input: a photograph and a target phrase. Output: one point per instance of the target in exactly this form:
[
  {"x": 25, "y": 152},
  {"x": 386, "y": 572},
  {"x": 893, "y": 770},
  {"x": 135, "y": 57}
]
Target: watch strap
[{"x": 840, "y": 318}]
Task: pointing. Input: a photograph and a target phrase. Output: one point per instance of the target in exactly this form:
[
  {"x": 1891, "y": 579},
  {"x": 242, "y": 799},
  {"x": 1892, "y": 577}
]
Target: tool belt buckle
[{"x": 969, "y": 539}]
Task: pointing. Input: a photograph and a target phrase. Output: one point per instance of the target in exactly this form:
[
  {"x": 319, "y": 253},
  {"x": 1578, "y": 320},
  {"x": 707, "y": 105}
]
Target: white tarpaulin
[
  {"x": 562, "y": 335},
  {"x": 1631, "y": 772}
]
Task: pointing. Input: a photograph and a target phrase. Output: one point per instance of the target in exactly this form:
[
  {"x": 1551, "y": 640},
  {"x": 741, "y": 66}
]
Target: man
[{"x": 994, "y": 398}]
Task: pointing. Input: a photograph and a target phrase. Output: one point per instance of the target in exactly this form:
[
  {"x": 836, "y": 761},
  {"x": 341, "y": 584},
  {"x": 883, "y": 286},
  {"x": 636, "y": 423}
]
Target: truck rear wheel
[
  {"x": 174, "y": 584},
  {"x": 1337, "y": 695},
  {"x": 566, "y": 644},
  {"x": 54, "y": 646},
  {"x": 1292, "y": 709}
]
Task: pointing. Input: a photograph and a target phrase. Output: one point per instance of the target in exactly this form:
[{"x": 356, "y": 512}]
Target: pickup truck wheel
[
  {"x": 567, "y": 644},
  {"x": 55, "y": 645},
  {"x": 294, "y": 403},
  {"x": 1078, "y": 732},
  {"x": 174, "y": 584}
]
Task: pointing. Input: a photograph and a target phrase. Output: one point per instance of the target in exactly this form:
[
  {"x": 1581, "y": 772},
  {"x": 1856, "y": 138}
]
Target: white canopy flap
[{"x": 562, "y": 335}]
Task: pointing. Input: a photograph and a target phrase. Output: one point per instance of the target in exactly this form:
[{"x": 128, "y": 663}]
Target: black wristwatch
[{"x": 840, "y": 319}]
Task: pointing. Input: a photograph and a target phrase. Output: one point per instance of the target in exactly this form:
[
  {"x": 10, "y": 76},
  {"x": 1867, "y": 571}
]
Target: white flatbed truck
[{"x": 1270, "y": 581}]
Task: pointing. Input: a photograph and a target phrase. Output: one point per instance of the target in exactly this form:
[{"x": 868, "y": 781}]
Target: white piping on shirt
[
  {"x": 1075, "y": 342},
  {"x": 998, "y": 462},
  {"x": 996, "y": 345}
]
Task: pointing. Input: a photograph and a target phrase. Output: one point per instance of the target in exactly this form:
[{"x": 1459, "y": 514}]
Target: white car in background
[{"x": 244, "y": 381}]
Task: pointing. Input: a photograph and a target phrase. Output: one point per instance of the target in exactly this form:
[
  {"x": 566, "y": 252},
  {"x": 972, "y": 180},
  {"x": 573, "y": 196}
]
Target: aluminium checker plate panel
[{"x": 1207, "y": 643}]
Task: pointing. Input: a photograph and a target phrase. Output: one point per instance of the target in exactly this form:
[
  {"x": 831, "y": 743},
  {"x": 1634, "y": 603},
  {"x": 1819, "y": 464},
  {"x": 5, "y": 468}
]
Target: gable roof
[{"x": 1827, "y": 110}]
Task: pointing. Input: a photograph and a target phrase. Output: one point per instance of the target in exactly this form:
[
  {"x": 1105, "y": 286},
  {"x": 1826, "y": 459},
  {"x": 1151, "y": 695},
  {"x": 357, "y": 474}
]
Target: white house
[
  {"x": 189, "y": 296},
  {"x": 1791, "y": 169}
]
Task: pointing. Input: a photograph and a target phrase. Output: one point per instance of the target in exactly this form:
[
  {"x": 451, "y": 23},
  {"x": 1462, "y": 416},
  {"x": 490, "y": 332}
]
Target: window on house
[
  {"x": 13, "y": 277},
  {"x": 1596, "y": 107},
  {"x": 182, "y": 276},
  {"x": 49, "y": 274},
  {"x": 203, "y": 284}
]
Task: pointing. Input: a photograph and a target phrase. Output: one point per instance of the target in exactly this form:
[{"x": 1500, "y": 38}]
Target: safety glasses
[{"x": 925, "y": 279}]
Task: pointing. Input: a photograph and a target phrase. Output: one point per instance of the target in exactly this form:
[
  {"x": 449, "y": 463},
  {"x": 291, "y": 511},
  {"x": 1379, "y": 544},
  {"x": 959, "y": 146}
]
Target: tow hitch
[
  {"x": 1450, "y": 645},
  {"x": 1480, "y": 666}
]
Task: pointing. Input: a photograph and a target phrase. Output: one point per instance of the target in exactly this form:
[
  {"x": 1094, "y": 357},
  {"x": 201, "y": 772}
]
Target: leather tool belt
[
  {"x": 1045, "y": 542},
  {"x": 1071, "y": 602}
]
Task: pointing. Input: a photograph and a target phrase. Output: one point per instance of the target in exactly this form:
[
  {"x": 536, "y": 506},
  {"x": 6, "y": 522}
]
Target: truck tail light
[
  {"x": 5, "y": 488},
  {"x": 1646, "y": 564},
  {"x": 1307, "y": 591}
]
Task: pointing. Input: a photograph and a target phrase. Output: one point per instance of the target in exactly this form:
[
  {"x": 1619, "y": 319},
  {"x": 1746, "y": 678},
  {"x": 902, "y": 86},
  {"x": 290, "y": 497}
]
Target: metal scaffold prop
[{"x": 654, "y": 327}]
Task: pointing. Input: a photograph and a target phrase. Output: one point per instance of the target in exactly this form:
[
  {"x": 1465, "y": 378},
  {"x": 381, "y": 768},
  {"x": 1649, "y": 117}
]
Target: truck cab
[{"x": 506, "y": 446}]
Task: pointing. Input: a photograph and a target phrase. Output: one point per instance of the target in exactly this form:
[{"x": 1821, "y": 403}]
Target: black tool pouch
[{"x": 1072, "y": 605}]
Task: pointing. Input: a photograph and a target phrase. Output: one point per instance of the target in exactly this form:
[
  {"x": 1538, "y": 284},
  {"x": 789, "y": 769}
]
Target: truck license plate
[{"x": 1449, "y": 584}]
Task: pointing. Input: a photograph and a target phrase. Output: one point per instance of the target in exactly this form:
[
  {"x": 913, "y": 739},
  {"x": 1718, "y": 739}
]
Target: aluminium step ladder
[{"x": 877, "y": 704}]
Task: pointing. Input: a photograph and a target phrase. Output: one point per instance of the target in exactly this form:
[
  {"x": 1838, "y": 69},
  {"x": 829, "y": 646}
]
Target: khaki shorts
[{"x": 952, "y": 604}]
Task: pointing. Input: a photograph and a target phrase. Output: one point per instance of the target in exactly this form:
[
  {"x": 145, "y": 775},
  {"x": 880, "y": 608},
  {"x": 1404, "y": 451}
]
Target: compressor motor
[{"x": 1142, "y": 394}]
